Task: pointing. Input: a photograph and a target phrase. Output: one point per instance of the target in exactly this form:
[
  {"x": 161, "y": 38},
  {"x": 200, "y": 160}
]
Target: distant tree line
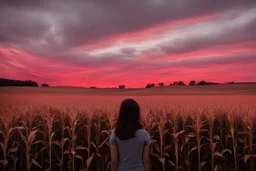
[
  {"x": 206, "y": 83},
  {"x": 9, "y": 82},
  {"x": 192, "y": 82}
]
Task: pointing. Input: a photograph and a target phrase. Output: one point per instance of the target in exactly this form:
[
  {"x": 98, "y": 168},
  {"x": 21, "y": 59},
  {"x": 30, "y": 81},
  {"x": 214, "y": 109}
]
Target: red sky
[{"x": 107, "y": 44}]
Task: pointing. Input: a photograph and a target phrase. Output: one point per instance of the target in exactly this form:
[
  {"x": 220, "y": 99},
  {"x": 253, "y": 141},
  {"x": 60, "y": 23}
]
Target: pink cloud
[{"x": 144, "y": 34}]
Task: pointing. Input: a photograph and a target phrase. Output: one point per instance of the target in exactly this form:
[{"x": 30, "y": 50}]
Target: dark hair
[{"x": 128, "y": 121}]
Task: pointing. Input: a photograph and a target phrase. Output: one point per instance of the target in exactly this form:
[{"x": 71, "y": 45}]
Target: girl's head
[{"x": 128, "y": 121}]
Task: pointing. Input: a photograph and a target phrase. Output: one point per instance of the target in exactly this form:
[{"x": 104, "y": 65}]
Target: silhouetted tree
[
  {"x": 231, "y": 83},
  {"x": 170, "y": 84},
  {"x": 148, "y": 86},
  {"x": 92, "y": 87},
  {"x": 181, "y": 83},
  {"x": 122, "y": 86},
  {"x": 175, "y": 83},
  {"x": 206, "y": 83},
  {"x": 44, "y": 85},
  {"x": 152, "y": 85},
  {"x": 201, "y": 83},
  {"x": 8, "y": 82},
  {"x": 192, "y": 82},
  {"x": 160, "y": 84}
]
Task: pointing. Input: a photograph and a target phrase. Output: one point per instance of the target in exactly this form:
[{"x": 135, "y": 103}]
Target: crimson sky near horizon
[{"x": 131, "y": 42}]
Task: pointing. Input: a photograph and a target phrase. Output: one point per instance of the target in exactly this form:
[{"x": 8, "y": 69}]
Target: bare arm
[
  {"x": 146, "y": 158},
  {"x": 114, "y": 157}
]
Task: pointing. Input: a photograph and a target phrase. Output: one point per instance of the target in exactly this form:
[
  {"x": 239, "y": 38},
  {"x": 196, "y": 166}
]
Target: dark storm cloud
[
  {"x": 227, "y": 35},
  {"x": 128, "y": 51},
  {"x": 115, "y": 17},
  {"x": 44, "y": 27},
  {"x": 104, "y": 60}
]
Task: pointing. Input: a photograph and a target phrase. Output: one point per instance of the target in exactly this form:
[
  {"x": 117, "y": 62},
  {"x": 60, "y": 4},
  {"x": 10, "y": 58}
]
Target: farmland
[{"x": 191, "y": 128}]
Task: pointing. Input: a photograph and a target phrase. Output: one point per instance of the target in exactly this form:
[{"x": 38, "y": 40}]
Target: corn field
[{"x": 195, "y": 137}]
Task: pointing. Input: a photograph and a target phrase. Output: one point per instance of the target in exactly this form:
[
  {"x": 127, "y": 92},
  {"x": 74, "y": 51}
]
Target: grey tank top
[{"x": 130, "y": 151}]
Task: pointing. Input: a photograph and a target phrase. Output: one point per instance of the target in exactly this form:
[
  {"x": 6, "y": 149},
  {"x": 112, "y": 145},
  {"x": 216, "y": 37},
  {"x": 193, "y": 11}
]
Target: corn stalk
[
  {"x": 111, "y": 120},
  {"x": 6, "y": 135},
  {"x": 62, "y": 141},
  {"x": 28, "y": 140},
  {"x": 50, "y": 133},
  {"x": 196, "y": 133},
  {"x": 161, "y": 148},
  {"x": 176, "y": 136},
  {"x": 90, "y": 156},
  {"x": 214, "y": 140},
  {"x": 233, "y": 139},
  {"x": 250, "y": 127}
]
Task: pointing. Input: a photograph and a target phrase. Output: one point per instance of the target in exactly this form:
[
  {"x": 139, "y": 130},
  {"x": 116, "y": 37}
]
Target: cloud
[
  {"x": 211, "y": 33},
  {"x": 54, "y": 25}
]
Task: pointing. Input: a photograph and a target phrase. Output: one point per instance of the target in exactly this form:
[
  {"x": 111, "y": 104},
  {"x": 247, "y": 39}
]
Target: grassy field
[{"x": 191, "y": 127}]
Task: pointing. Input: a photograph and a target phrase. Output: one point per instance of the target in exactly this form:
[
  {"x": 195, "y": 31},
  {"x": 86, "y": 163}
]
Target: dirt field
[{"x": 225, "y": 89}]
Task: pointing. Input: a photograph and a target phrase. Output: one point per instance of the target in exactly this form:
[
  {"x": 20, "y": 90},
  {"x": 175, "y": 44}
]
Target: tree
[
  {"x": 160, "y": 84},
  {"x": 148, "y": 86},
  {"x": 181, "y": 83},
  {"x": 231, "y": 83},
  {"x": 122, "y": 86},
  {"x": 192, "y": 82},
  {"x": 92, "y": 87},
  {"x": 152, "y": 85},
  {"x": 44, "y": 85},
  {"x": 201, "y": 83},
  {"x": 205, "y": 83},
  {"x": 8, "y": 82},
  {"x": 175, "y": 83}
]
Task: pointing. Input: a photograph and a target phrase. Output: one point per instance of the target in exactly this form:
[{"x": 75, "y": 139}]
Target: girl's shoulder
[
  {"x": 144, "y": 136},
  {"x": 142, "y": 132}
]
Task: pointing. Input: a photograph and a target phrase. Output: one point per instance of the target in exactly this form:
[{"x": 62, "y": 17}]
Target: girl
[{"x": 129, "y": 142}]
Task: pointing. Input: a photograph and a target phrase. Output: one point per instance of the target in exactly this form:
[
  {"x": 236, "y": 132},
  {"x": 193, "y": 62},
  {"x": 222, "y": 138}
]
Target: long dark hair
[{"x": 128, "y": 121}]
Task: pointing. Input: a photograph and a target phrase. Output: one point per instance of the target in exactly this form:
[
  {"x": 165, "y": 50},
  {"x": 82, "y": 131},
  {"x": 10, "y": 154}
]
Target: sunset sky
[{"x": 106, "y": 43}]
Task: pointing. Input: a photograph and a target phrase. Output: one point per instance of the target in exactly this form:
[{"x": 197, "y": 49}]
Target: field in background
[
  {"x": 210, "y": 128},
  {"x": 221, "y": 89}
]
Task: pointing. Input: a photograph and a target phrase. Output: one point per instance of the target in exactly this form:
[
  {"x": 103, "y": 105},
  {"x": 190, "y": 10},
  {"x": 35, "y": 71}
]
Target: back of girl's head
[{"x": 128, "y": 121}]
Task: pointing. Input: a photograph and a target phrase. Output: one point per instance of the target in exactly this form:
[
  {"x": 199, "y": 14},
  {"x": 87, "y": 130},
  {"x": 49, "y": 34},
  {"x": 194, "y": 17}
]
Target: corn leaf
[
  {"x": 4, "y": 162},
  {"x": 13, "y": 150},
  {"x": 217, "y": 154},
  {"x": 36, "y": 163},
  {"x": 89, "y": 160},
  {"x": 248, "y": 156},
  {"x": 192, "y": 149}
]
